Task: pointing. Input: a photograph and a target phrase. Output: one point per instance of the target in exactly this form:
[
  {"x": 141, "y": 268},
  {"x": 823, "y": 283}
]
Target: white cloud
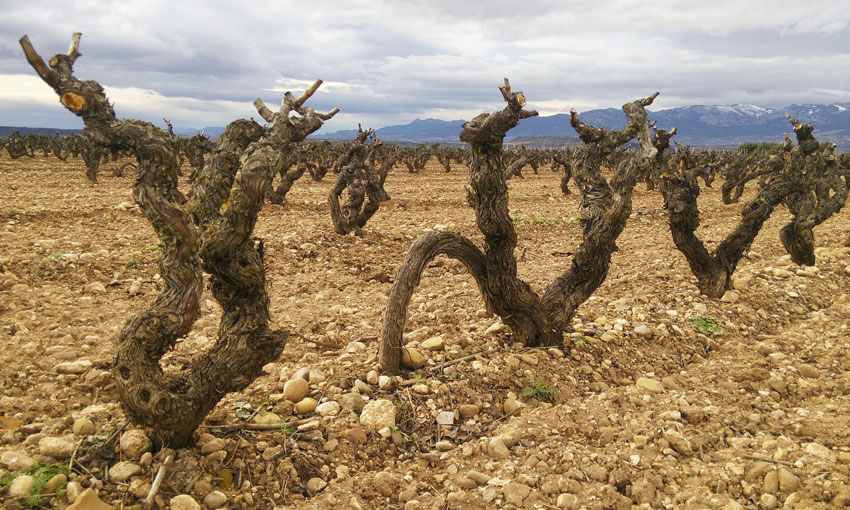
[{"x": 387, "y": 62}]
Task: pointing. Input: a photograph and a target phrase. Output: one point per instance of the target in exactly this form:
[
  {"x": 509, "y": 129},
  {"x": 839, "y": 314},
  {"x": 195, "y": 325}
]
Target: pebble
[
  {"x": 184, "y": 502},
  {"x": 330, "y": 408},
  {"x": 808, "y": 371},
  {"x": 567, "y": 501},
  {"x": 385, "y": 484},
  {"x": 362, "y": 388},
  {"x": 465, "y": 483},
  {"x": 384, "y": 381},
  {"x": 446, "y": 418},
  {"x": 468, "y": 410},
  {"x": 266, "y": 418},
  {"x": 215, "y": 499},
  {"x": 730, "y": 296},
  {"x": 56, "y": 447},
  {"x": 83, "y": 427},
  {"x": 134, "y": 443},
  {"x": 307, "y": 405},
  {"x": 355, "y": 435},
  {"x": 651, "y": 385},
  {"x": 530, "y": 359},
  {"x": 123, "y": 471},
  {"x": 444, "y": 446},
  {"x": 73, "y": 367},
  {"x": 353, "y": 401},
  {"x": 296, "y": 389},
  {"x": 496, "y": 449},
  {"x": 679, "y": 442},
  {"x": 511, "y": 406},
  {"x": 641, "y": 330},
  {"x": 378, "y": 414},
  {"x": 479, "y": 477},
  {"x": 412, "y": 359},
  {"x": 72, "y": 490},
  {"x": 16, "y": 461},
  {"x": 768, "y": 501},
  {"x": 495, "y": 328},
  {"x": 270, "y": 452},
  {"x": 21, "y": 486},
  {"x": 434, "y": 343},
  {"x": 315, "y": 485},
  {"x": 213, "y": 445},
  {"x": 788, "y": 481},
  {"x": 372, "y": 377},
  {"x": 55, "y": 482}
]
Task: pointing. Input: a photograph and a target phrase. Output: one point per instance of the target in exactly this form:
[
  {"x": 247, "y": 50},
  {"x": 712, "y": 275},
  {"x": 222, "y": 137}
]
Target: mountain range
[
  {"x": 721, "y": 126},
  {"x": 718, "y": 126}
]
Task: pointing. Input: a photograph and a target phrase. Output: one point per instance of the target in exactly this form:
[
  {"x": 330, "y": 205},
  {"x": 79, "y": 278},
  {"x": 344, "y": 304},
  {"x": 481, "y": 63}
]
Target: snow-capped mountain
[{"x": 698, "y": 125}]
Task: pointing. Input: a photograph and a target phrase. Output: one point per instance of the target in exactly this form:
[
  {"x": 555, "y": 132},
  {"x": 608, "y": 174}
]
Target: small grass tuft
[
  {"x": 708, "y": 325},
  {"x": 541, "y": 391}
]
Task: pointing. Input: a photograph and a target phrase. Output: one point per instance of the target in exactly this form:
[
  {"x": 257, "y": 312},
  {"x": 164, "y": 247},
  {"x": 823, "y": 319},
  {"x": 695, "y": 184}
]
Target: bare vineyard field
[{"x": 649, "y": 411}]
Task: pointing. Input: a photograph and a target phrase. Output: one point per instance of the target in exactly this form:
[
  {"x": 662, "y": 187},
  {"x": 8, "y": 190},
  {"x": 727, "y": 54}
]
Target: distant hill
[
  {"x": 701, "y": 126},
  {"x": 5, "y": 131},
  {"x": 720, "y": 126}
]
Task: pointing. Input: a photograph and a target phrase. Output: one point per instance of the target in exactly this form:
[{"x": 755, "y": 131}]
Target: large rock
[
  {"x": 56, "y": 447},
  {"x": 378, "y": 414},
  {"x": 21, "y": 486},
  {"x": 16, "y": 461}
]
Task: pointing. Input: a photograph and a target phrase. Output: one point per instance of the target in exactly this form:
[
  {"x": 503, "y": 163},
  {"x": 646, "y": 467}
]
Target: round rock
[
  {"x": 385, "y": 484},
  {"x": 184, "y": 502},
  {"x": 83, "y": 427},
  {"x": 134, "y": 443},
  {"x": 215, "y": 499},
  {"x": 295, "y": 389}
]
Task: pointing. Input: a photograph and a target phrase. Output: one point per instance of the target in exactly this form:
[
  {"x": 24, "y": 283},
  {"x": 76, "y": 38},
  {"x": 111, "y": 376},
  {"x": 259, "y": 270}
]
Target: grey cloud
[{"x": 402, "y": 60}]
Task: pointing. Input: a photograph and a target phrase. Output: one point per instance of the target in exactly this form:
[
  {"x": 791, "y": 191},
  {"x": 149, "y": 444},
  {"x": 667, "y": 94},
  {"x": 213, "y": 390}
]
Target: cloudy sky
[{"x": 389, "y": 62}]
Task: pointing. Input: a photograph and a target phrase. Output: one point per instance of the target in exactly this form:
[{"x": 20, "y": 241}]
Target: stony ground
[{"x": 663, "y": 399}]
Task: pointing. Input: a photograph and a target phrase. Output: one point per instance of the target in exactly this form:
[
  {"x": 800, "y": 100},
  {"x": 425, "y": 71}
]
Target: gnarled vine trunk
[
  {"x": 212, "y": 235},
  {"x": 534, "y": 320}
]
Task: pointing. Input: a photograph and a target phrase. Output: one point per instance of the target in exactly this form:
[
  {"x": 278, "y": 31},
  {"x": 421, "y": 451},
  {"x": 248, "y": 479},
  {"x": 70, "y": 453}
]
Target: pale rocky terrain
[{"x": 648, "y": 411}]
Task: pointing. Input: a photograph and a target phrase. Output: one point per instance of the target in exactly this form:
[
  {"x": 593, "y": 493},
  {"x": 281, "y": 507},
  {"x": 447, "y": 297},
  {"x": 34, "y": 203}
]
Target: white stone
[
  {"x": 184, "y": 502},
  {"x": 328, "y": 408},
  {"x": 123, "y": 471},
  {"x": 378, "y": 414},
  {"x": 56, "y": 447}
]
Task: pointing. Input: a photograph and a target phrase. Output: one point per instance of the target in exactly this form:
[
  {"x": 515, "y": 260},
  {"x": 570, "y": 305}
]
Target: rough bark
[
  {"x": 714, "y": 270},
  {"x": 364, "y": 186},
  {"x": 213, "y": 235},
  {"x": 820, "y": 191},
  {"x": 533, "y": 321}
]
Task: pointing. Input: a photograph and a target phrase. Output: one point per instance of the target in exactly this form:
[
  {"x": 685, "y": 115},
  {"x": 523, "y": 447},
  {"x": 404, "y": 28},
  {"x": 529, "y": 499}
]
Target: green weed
[
  {"x": 541, "y": 391},
  {"x": 707, "y": 325}
]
